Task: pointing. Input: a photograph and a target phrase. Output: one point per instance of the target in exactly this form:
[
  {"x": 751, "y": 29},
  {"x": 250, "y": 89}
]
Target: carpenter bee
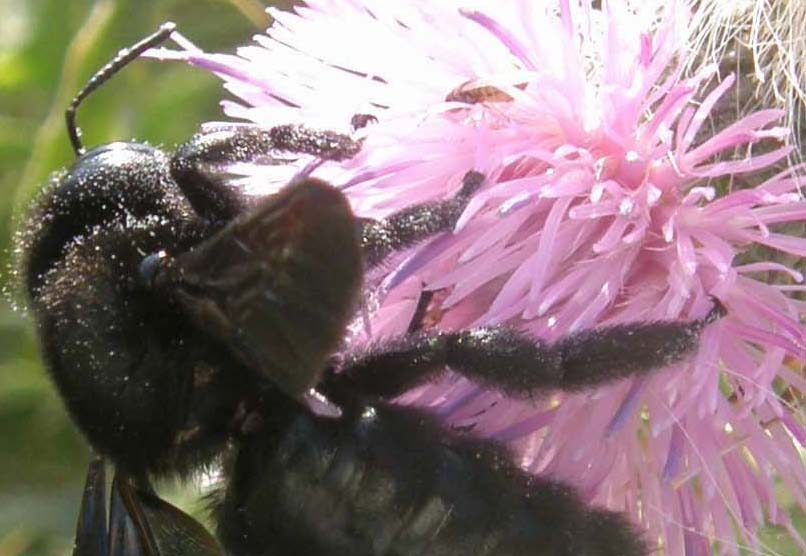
[{"x": 180, "y": 318}]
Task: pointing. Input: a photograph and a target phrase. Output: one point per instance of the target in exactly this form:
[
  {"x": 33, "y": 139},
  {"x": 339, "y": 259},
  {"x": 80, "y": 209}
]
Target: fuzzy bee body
[
  {"x": 181, "y": 319},
  {"x": 386, "y": 480},
  {"x": 136, "y": 376}
]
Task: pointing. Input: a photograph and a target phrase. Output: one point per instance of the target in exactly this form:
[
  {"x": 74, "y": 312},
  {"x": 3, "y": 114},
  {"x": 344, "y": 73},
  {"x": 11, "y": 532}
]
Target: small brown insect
[{"x": 476, "y": 91}]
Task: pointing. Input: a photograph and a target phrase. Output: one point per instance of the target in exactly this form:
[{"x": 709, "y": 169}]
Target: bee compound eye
[{"x": 149, "y": 267}]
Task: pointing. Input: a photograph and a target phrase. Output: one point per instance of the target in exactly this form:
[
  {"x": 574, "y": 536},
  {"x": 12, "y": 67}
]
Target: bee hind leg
[{"x": 509, "y": 361}]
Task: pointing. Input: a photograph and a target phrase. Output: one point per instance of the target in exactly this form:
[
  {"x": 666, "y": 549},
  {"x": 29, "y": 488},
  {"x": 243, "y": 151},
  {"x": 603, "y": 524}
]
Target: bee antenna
[{"x": 117, "y": 63}]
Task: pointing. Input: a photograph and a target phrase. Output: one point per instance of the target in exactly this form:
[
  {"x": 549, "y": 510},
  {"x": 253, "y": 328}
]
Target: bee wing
[
  {"x": 91, "y": 533},
  {"x": 279, "y": 283},
  {"x": 141, "y": 524}
]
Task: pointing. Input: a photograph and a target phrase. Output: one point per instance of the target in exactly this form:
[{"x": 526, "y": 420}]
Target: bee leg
[
  {"x": 199, "y": 165},
  {"x": 379, "y": 238},
  {"x": 142, "y": 524},
  {"x": 509, "y": 361},
  {"x": 91, "y": 534}
]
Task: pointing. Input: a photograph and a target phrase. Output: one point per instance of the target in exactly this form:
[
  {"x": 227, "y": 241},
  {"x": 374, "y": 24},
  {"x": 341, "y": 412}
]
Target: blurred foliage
[{"x": 48, "y": 48}]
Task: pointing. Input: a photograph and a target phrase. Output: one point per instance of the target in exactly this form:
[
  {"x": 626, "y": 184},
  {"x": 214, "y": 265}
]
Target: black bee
[{"x": 181, "y": 319}]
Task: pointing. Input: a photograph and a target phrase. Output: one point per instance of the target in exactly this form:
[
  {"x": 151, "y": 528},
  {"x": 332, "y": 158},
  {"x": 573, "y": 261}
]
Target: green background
[{"x": 48, "y": 48}]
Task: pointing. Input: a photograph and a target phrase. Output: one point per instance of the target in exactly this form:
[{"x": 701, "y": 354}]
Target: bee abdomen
[{"x": 391, "y": 482}]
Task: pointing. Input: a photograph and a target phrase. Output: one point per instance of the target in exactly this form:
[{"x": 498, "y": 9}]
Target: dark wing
[
  {"x": 140, "y": 523},
  {"x": 91, "y": 532},
  {"x": 278, "y": 284}
]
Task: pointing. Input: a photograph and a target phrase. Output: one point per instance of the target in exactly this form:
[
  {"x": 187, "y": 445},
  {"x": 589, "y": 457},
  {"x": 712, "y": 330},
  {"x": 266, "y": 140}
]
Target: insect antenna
[{"x": 117, "y": 63}]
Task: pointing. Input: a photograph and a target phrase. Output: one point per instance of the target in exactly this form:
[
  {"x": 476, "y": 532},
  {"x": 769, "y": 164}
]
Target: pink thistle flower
[{"x": 601, "y": 206}]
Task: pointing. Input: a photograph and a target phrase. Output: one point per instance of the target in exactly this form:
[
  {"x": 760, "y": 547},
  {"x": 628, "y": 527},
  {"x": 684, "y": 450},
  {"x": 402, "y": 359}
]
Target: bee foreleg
[
  {"x": 380, "y": 238},
  {"x": 199, "y": 166}
]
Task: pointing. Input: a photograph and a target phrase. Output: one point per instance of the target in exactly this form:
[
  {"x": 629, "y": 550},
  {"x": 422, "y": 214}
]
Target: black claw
[
  {"x": 417, "y": 320},
  {"x": 359, "y": 121},
  {"x": 471, "y": 182},
  {"x": 717, "y": 311}
]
